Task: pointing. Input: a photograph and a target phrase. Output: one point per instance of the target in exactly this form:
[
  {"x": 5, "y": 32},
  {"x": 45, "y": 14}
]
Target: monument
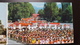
[{"x": 1, "y": 28}]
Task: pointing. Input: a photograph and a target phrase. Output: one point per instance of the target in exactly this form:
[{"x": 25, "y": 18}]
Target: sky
[
  {"x": 4, "y": 13},
  {"x": 40, "y": 5}
]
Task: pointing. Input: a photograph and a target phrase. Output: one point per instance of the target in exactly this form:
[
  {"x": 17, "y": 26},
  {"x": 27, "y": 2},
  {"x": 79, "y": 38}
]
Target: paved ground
[
  {"x": 11, "y": 42},
  {"x": 2, "y": 44}
]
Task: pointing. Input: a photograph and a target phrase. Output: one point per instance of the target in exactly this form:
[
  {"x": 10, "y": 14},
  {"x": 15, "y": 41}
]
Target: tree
[
  {"x": 51, "y": 11},
  {"x": 20, "y": 10},
  {"x": 59, "y": 15},
  {"x": 41, "y": 12},
  {"x": 67, "y": 15}
]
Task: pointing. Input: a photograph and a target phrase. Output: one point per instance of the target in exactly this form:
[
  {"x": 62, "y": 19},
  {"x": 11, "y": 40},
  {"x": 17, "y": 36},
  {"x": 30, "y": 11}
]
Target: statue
[
  {"x": 1, "y": 28},
  {"x": 0, "y": 21}
]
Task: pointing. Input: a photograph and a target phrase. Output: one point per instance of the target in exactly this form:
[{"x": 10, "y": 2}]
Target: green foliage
[
  {"x": 67, "y": 15},
  {"x": 20, "y": 10},
  {"x": 51, "y": 11},
  {"x": 41, "y": 12}
]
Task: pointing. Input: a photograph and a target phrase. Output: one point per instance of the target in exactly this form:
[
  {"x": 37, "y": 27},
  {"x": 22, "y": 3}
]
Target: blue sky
[{"x": 40, "y": 5}]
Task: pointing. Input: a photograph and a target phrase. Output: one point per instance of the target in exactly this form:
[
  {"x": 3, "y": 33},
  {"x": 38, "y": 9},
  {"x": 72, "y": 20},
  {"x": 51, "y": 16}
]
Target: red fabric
[
  {"x": 35, "y": 15},
  {"x": 26, "y": 19},
  {"x": 16, "y": 23},
  {"x": 11, "y": 25},
  {"x": 25, "y": 24},
  {"x": 33, "y": 21},
  {"x": 55, "y": 23},
  {"x": 66, "y": 25},
  {"x": 43, "y": 24}
]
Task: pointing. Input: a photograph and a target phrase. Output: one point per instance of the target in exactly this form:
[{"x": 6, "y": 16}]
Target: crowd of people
[
  {"x": 42, "y": 36},
  {"x": 2, "y": 39}
]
